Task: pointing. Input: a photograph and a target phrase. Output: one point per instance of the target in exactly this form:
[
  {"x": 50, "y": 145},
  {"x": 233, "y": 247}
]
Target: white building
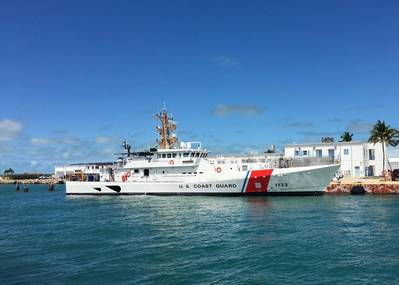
[
  {"x": 356, "y": 158},
  {"x": 70, "y": 170},
  {"x": 394, "y": 162}
]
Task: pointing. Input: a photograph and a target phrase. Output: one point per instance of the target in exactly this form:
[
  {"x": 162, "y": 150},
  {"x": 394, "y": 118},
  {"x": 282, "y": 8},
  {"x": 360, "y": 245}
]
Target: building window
[
  {"x": 371, "y": 154},
  {"x": 346, "y": 151},
  {"x": 296, "y": 153},
  {"x": 331, "y": 154},
  {"x": 319, "y": 152}
]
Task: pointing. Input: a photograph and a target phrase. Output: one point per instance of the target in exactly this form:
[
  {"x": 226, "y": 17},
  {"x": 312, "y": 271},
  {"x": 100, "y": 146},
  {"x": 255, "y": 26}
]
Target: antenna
[{"x": 127, "y": 147}]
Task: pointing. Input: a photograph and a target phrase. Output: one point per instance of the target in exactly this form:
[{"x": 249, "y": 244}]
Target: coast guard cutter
[{"x": 182, "y": 168}]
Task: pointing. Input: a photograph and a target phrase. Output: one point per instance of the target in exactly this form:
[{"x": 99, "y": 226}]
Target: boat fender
[
  {"x": 171, "y": 162},
  {"x": 218, "y": 170}
]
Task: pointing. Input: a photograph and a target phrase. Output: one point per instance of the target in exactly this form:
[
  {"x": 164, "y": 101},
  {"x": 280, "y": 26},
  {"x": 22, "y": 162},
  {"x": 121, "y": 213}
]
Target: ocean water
[{"x": 50, "y": 238}]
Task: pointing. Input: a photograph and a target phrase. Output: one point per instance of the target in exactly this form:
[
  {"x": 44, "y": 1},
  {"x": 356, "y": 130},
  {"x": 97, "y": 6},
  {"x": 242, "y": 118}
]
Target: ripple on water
[{"x": 47, "y": 237}]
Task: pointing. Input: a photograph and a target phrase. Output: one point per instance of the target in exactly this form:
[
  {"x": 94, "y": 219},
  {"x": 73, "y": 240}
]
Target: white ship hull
[{"x": 287, "y": 181}]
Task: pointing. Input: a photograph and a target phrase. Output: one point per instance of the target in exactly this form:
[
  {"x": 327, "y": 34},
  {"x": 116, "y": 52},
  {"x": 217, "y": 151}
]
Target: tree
[
  {"x": 384, "y": 134},
  {"x": 8, "y": 172},
  {"x": 346, "y": 137},
  {"x": 327, "y": 140}
]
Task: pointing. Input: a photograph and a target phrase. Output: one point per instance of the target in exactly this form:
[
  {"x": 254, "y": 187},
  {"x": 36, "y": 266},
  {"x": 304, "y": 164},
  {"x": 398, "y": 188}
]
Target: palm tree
[
  {"x": 384, "y": 134},
  {"x": 346, "y": 137}
]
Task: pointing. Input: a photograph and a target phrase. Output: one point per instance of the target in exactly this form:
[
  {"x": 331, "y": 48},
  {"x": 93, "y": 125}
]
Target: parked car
[{"x": 395, "y": 175}]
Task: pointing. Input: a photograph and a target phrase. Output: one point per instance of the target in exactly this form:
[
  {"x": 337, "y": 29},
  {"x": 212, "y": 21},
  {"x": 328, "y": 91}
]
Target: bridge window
[
  {"x": 192, "y": 154},
  {"x": 197, "y": 154},
  {"x": 186, "y": 154}
]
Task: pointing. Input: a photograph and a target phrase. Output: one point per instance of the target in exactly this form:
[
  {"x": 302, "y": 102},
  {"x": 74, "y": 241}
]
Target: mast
[{"x": 166, "y": 130}]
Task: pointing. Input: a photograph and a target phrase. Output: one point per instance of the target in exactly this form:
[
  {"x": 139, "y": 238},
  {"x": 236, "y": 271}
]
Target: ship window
[
  {"x": 174, "y": 155},
  {"x": 146, "y": 172},
  {"x": 197, "y": 154},
  {"x": 169, "y": 155},
  {"x": 189, "y": 173},
  {"x": 195, "y": 172},
  {"x": 192, "y": 154},
  {"x": 201, "y": 172},
  {"x": 163, "y": 155},
  {"x": 184, "y": 173},
  {"x": 136, "y": 171},
  {"x": 159, "y": 156},
  {"x": 186, "y": 154},
  {"x": 179, "y": 154}
]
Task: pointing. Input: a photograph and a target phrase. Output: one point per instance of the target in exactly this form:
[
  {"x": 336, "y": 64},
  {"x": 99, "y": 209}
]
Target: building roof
[{"x": 325, "y": 144}]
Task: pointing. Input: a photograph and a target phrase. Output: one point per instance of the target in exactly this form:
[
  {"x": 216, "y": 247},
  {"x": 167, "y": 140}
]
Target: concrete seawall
[{"x": 371, "y": 186}]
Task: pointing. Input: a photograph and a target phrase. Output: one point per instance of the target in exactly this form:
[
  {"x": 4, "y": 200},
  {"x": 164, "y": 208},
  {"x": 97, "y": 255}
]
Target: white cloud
[
  {"x": 103, "y": 139},
  {"x": 9, "y": 129},
  {"x": 359, "y": 127},
  {"x": 225, "y": 61},
  {"x": 223, "y": 110},
  {"x": 70, "y": 140},
  {"x": 39, "y": 141}
]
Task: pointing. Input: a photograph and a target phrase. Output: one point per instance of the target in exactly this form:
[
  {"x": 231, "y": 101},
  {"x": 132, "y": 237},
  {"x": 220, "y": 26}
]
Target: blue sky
[{"x": 77, "y": 77}]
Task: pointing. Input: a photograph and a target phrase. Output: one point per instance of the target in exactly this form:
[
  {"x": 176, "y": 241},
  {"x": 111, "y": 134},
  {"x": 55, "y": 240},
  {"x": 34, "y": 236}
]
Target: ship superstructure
[{"x": 183, "y": 168}]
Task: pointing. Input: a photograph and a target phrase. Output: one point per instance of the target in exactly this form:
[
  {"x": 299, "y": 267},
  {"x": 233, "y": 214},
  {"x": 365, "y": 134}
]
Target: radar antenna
[{"x": 127, "y": 147}]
